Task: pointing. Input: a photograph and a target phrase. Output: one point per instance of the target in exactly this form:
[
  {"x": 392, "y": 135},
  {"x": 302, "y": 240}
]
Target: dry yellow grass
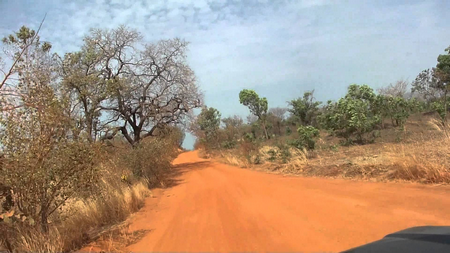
[
  {"x": 85, "y": 220},
  {"x": 427, "y": 161},
  {"x": 231, "y": 158},
  {"x": 235, "y": 158},
  {"x": 422, "y": 155},
  {"x": 32, "y": 240}
]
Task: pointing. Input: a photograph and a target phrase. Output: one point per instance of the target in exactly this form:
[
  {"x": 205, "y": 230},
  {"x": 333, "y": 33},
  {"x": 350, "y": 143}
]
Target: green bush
[
  {"x": 306, "y": 138},
  {"x": 353, "y": 116},
  {"x": 304, "y": 110},
  {"x": 397, "y": 109},
  {"x": 439, "y": 107}
]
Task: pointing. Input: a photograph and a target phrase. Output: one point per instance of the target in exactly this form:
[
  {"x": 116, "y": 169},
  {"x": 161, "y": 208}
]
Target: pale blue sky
[{"x": 279, "y": 48}]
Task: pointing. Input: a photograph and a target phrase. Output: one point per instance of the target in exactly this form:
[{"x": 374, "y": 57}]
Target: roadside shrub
[
  {"x": 44, "y": 167},
  {"x": 151, "y": 160},
  {"x": 398, "y": 109},
  {"x": 111, "y": 201},
  {"x": 306, "y": 137},
  {"x": 250, "y": 149},
  {"x": 272, "y": 155},
  {"x": 285, "y": 153},
  {"x": 258, "y": 159},
  {"x": 354, "y": 116},
  {"x": 439, "y": 107},
  {"x": 229, "y": 144}
]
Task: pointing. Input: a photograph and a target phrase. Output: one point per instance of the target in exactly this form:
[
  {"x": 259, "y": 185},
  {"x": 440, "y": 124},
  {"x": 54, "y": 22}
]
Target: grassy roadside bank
[{"x": 422, "y": 155}]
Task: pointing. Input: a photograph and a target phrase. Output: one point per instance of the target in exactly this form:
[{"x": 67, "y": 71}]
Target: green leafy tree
[
  {"x": 354, "y": 115},
  {"x": 258, "y": 106},
  {"x": 398, "y": 109},
  {"x": 442, "y": 72},
  {"x": 401, "y": 109},
  {"x": 207, "y": 126},
  {"x": 433, "y": 84},
  {"x": 427, "y": 86},
  {"x": 304, "y": 110}
]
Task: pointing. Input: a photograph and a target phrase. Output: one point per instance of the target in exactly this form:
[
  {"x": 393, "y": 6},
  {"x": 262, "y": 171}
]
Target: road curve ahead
[{"x": 216, "y": 207}]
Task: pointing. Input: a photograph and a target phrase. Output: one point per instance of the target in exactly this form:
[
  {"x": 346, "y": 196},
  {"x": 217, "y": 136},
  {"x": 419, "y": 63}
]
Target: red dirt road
[{"x": 216, "y": 207}]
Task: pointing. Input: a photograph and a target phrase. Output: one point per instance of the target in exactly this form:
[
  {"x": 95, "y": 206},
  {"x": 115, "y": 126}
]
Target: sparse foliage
[
  {"x": 304, "y": 110},
  {"x": 232, "y": 131},
  {"x": 279, "y": 112},
  {"x": 41, "y": 163},
  {"x": 275, "y": 119},
  {"x": 48, "y": 105},
  {"x": 258, "y": 107},
  {"x": 427, "y": 85},
  {"x": 139, "y": 87},
  {"x": 395, "y": 90}
]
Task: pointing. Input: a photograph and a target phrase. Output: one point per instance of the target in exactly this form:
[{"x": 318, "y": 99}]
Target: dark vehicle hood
[{"x": 412, "y": 240}]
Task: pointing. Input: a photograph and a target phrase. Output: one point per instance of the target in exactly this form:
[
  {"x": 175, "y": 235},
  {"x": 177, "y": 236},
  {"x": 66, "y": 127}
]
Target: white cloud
[{"x": 281, "y": 47}]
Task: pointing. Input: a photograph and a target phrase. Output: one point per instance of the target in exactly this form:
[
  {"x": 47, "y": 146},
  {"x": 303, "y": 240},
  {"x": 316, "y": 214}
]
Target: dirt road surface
[{"x": 216, "y": 207}]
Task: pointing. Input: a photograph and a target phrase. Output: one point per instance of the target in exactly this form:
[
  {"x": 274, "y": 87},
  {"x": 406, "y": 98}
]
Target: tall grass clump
[
  {"x": 124, "y": 178},
  {"x": 426, "y": 162}
]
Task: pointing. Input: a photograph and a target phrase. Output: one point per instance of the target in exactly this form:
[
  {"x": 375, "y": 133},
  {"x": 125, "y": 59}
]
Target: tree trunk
[
  {"x": 444, "y": 120},
  {"x": 265, "y": 129},
  {"x": 44, "y": 219},
  {"x": 89, "y": 124}
]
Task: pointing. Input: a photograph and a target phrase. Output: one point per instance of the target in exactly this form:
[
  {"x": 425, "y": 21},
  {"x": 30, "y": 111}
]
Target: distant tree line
[{"x": 355, "y": 118}]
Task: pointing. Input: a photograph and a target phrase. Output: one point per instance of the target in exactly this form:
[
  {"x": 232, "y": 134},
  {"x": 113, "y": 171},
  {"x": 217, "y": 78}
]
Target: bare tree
[
  {"x": 147, "y": 86},
  {"x": 279, "y": 112},
  {"x": 251, "y": 119},
  {"x": 234, "y": 121},
  {"x": 398, "y": 89},
  {"x": 276, "y": 117},
  {"x": 87, "y": 73},
  {"x": 233, "y": 127}
]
